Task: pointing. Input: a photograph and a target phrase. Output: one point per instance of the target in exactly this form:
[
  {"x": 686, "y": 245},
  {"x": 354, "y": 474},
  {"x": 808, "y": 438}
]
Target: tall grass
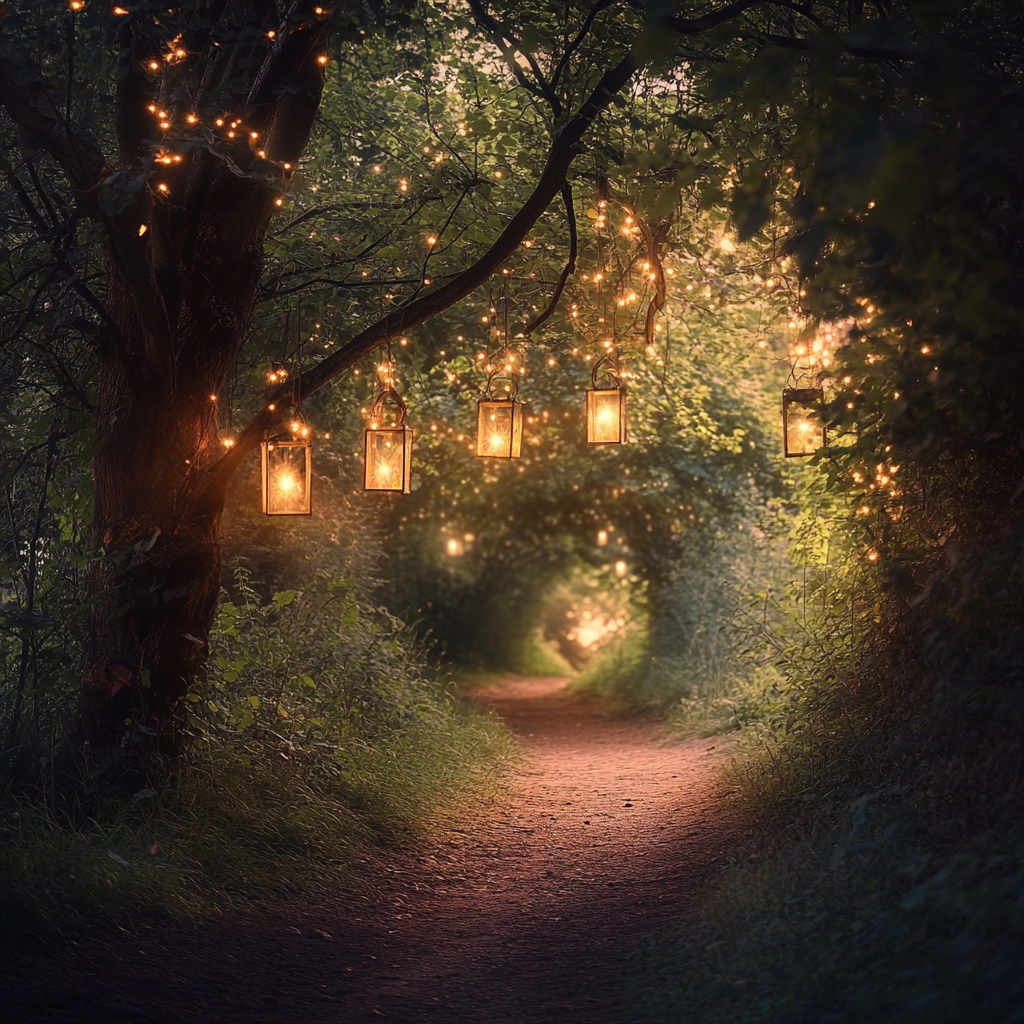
[
  {"x": 881, "y": 767},
  {"x": 320, "y": 729}
]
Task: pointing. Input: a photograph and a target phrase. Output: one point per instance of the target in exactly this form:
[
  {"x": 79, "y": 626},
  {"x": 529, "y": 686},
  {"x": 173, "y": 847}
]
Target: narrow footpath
[{"x": 524, "y": 916}]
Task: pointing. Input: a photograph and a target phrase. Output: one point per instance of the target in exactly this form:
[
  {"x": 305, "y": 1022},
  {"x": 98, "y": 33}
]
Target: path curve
[{"x": 521, "y": 917}]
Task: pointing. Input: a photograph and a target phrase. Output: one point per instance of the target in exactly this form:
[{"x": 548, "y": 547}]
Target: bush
[{"x": 320, "y": 729}]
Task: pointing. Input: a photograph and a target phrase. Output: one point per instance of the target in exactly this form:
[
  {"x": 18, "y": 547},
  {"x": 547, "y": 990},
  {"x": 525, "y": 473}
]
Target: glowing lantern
[
  {"x": 388, "y": 463},
  {"x": 803, "y": 431},
  {"x": 455, "y": 547},
  {"x": 287, "y": 476},
  {"x": 499, "y": 431},
  {"x": 606, "y": 408}
]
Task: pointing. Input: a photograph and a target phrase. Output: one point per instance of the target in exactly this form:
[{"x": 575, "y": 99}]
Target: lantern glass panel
[
  {"x": 803, "y": 429},
  {"x": 287, "y": 477},
  {"x": 388, "y": 464},
  {"x": 499, "y": 432},
  {"x": 606, "y": 416}
]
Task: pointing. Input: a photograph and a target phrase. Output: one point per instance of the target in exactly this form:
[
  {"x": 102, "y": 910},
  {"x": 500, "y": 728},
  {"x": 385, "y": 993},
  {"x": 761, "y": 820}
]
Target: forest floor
[{"x": 525, "y": 913}]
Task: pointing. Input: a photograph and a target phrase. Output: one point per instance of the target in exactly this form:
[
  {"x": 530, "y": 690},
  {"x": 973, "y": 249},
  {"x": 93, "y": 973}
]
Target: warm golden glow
[
  {"x": 802, "y": 425},
  {"x": 606, "y": 416},
  {"x": 388, "y": 460},
  {"x": 286, "y": 477},
  {"x": 499, "y": 429}
]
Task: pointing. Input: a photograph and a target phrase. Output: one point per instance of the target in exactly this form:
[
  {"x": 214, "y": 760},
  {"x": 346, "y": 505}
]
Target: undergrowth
[
  {"x": 880, "y": 768},
  {"x": 321, "y": 729}
]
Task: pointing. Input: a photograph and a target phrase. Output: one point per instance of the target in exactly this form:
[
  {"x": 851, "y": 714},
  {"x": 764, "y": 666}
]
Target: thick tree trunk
[{"x": 156, "y": 578}]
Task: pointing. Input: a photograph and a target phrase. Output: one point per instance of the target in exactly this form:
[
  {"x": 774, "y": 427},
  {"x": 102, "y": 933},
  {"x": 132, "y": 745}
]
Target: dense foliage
[
  {"x": 886, "y": 882},
  {"x": 796, "y": 170}
]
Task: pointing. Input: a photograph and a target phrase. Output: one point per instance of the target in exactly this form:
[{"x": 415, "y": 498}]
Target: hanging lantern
[
  {"x": 287, "y": 474},
  {"x": 388, "y": 462},
  {"x": 803, "y": 429},
  {"x": 606, "y": 407},
  {"x": 499, "y": 431}
]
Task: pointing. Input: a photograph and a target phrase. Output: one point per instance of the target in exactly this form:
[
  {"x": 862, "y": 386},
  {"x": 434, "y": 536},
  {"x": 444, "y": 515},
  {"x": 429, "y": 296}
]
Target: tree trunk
[{"x": 156, "y": 580}]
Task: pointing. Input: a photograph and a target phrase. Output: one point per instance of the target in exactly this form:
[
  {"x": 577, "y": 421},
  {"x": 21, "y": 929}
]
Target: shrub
[{"x": 320, "y": 729}]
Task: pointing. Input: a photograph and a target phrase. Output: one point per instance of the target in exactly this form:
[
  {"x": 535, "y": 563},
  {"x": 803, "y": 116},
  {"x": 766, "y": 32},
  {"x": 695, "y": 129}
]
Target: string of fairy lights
[
  {"x": 500, "y": 413},
  {"x": 388, "y": 440},
  {"x": 388, "y": 447}
]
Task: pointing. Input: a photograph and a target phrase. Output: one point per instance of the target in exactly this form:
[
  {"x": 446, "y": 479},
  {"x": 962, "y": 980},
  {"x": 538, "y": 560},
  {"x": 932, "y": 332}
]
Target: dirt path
[{"x": 523, "y": 918}]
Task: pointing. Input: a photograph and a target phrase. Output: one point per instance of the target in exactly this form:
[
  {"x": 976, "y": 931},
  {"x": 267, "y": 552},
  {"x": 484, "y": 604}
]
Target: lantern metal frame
[
  {"x": 595, "y": 395},
  {"x": 515, "y": 417},
  {"x": 283, "y": 441},
  {"x": 805, "y": 398},
  {"x": 400, "y": 433}
]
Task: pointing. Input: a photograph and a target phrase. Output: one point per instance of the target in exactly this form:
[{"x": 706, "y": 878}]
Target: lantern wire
[{"x": 504, "y": 302}]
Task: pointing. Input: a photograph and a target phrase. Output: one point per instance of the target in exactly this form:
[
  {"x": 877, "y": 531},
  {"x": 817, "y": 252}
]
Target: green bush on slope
[{"x": 320, "y": 729}]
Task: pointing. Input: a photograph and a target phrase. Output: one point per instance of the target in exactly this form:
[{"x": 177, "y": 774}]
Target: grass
[
  {"x": 884, "y": 880},
  {"x": 321, "y": 731}
]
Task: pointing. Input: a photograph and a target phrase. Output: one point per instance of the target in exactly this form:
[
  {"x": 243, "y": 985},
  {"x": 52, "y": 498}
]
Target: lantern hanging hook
[
  {"x": 389, "y": 394},
  {"x": 504, "y": 305},
  {"x": 500, "y": 374},
  {"x": 611, "y": 372}
]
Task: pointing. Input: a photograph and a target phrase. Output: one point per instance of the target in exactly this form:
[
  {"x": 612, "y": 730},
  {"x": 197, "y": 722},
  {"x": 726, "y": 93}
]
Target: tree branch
[
  {"x": 132, "y": 121},
  {"x": 563, "y": 151},
  {"x": 569, "y": 268},
  {"x": 696, "y": 26},
  {"x": 706, "y": 22},
  {"x": 574, "y": 44},
  {"x": 871, "y": 53},
  {"x": 500, "y": 32},
  {"x": 288, "y": 81},
  {"x": 24, "y": 93},
  {"x": 651, "y": 244}
]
